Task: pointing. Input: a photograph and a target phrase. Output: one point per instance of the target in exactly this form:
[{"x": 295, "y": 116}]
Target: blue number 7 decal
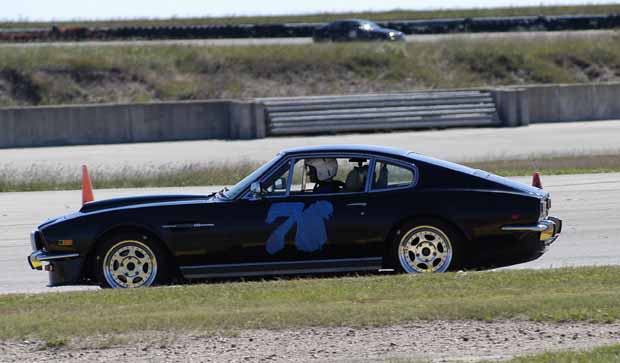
[{"x": 311, "y": 232}]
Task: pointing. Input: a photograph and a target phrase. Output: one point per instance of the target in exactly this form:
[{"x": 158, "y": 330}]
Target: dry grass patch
[
  {"x": 610, "y": 354},
  {"x": 552, "y": 164},
  {"x": 55, "y": 75}
]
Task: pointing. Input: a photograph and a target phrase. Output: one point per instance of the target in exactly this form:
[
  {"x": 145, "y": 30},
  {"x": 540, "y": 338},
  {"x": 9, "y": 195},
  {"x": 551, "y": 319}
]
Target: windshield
[
  {"x": 238, "y": 188},
  {"x": 369, "y": 25}
]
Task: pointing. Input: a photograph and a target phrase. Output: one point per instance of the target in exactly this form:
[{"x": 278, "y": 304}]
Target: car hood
[{"x": 137, "y": 200}]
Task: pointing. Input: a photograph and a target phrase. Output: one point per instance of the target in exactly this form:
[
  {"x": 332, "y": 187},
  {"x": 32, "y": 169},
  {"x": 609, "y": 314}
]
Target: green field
[
  {"x": 325, "y": 17},
  {"x": 51, "y": 75},
  {"x": 610, "y": 354},
  {"x": 41, "y": 178},
  {"x": 568, "y": 294}
]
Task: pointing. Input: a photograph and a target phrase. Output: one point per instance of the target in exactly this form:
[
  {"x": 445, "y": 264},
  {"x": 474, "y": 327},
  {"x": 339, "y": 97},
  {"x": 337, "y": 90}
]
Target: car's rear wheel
[
  {"x": 130, "y": 261},
  {"x": 426, "y": 246}
]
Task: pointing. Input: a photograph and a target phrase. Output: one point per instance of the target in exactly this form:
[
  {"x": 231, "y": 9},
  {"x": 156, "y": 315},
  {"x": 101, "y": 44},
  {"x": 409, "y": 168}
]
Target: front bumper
[
  {"x": 549, "y": 229},
  {"x": 64, "y": 268},
  {"x": 36, "y": 258}
]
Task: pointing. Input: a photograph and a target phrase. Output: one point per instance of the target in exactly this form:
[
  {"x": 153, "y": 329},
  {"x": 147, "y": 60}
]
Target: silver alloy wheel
[
  {"x": 425, "y": 249},
  {"x": 130, "y": 264}
]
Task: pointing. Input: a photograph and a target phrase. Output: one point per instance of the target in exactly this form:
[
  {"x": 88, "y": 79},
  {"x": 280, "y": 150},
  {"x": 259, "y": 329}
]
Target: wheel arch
[{"x": 410, "y": 219}]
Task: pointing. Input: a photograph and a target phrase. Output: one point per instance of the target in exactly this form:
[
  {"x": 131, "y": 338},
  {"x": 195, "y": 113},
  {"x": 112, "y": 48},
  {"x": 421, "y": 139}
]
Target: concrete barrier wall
[
  {"x": 103, "y": 124},
  {"x": 580, "y": 102},
  {"x": 229, "y": 119}
]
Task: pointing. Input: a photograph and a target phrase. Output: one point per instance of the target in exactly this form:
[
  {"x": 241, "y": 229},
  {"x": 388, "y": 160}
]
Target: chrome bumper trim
[
  {"x": 549, "y": 229},
  {"x": 36, "y": 257},
  {"x": 541, "y": 226},
  {"x": 42, "y": 256},
  {"x": 551, "y": 240}
]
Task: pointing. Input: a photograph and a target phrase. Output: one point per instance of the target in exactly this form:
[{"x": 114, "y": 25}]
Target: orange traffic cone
[
  {"x": 536, "y": 180},
  {"x": 87, "y": 186}
]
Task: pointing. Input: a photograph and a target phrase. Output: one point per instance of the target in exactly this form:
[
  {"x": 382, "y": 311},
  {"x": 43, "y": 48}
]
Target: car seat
[
  {"x": 381, "y": 181},
  {"x": 356, "y": 179}
]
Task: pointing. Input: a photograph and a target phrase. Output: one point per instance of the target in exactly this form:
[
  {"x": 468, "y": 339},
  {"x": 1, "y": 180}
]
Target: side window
[
  {"x": 278, "y": 183},
  {"x": 388, "y": 176},
  {"x": 329, "y": 175},
  {"x": 336, "y": 26}
]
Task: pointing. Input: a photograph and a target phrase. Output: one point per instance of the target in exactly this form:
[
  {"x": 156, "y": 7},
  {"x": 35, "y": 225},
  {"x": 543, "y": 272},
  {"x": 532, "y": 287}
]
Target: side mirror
[
  {"x": 280, "y": 183},
  {"x": 256, "y": 190}
]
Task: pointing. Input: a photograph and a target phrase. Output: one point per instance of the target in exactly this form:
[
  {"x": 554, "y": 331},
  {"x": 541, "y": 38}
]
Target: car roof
[
  {"x": 351, "y": 21},
  {"x": 374, "y": 149}
]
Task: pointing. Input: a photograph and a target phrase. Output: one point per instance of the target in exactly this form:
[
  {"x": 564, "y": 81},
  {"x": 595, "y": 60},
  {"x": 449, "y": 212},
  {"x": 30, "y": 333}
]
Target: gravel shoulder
[{"x": 436, "y": 341}]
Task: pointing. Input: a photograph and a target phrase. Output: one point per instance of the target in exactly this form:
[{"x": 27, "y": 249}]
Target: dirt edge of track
[{"x": 425, "y": 340}]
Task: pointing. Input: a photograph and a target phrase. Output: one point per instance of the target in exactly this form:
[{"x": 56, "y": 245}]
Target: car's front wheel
[
  {"x": 426, "y": 246},
  {"x": 130, "y": 261}
]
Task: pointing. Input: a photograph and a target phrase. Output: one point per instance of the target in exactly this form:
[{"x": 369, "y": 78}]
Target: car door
[
  {"x": 283, "y": 231},
  {"x": 340, "y": 217},
  {"x": 245, "y": 222},
  {"x": 392, "y": 195},
  {"x": 351, "y": 30}
]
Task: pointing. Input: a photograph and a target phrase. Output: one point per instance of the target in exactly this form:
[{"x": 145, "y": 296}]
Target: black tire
[
  {"x": 131, "y": 260},
  {"x": 402, "y": 259}
]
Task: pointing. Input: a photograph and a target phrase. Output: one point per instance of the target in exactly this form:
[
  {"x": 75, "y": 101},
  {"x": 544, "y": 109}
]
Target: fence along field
[{"x": 287, "y": 30}]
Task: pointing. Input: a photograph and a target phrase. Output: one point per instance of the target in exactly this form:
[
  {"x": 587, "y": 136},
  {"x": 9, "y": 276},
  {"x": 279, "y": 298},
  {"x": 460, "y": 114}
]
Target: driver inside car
[{"x": 322, "y": 172}]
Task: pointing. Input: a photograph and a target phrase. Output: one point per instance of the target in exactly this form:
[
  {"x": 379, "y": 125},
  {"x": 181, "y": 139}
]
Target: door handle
[{"x": 363, "y": 204}]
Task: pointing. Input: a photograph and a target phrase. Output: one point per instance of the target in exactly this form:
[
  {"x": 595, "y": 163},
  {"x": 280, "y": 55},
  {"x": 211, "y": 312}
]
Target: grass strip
[
  {"x": 609, "y": 354},
  {"x": 585, "y": 9},
  {"x": 52, "y": 75},
  {"x": 41, "y": 178},
  {"x": 552, "y": 164},
  {"x": 567, "y": 294}
]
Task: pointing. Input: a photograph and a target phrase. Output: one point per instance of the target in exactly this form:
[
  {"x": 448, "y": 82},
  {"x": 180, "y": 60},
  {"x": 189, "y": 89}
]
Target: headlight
[
  {"x": 33, "y": 240},
  {"x": 544, "y": 209}
]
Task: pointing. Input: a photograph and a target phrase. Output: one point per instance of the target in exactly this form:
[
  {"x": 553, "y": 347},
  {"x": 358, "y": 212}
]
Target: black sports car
[
  {"x": 355, "y": 29},
  {"x": 313, "y": 209}
]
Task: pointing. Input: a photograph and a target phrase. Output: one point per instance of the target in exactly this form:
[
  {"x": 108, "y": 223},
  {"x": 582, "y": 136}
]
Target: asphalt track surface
[
  {"x": 588, "y": 204},
  {"x": 418, "y": 38},
  {"x": 454, "y": 144}
]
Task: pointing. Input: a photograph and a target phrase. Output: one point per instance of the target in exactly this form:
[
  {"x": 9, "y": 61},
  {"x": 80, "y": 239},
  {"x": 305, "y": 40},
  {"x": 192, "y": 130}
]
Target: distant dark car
[
  {"x": 313, "y": 209},
  {"x": 351, "y": 30}
]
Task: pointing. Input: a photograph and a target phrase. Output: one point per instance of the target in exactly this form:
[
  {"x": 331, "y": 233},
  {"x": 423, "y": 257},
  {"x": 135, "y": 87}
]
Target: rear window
[{"x": 389, "y": 176}]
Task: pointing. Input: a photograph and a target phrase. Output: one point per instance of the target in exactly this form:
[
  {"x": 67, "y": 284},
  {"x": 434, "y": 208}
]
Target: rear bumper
[
  {"x": 549, "y": 229},
  {"x": 514, "y": 245}
]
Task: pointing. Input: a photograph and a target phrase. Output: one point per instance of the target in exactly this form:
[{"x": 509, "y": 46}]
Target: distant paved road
[
  {"x": 453, "y": 144},
  {"x": 421, "y": 38},
  {"x": 588, "y": 204}
]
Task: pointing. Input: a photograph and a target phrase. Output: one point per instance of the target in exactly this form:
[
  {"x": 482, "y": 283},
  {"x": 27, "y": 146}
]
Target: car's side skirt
[{"x": 282, "y": 268}]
